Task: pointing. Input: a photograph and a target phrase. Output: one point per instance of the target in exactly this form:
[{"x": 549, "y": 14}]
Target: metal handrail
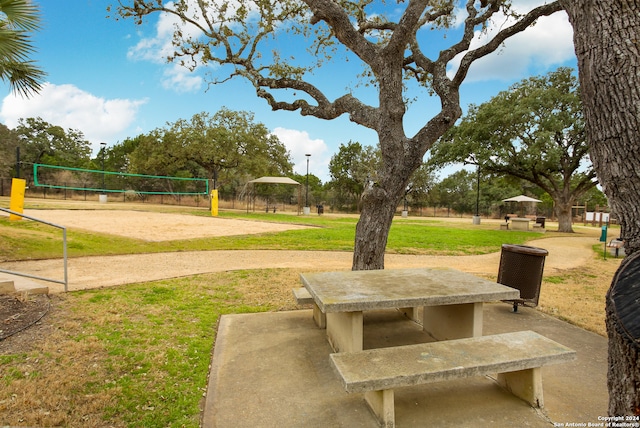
[{"x": 64, "y": 251}]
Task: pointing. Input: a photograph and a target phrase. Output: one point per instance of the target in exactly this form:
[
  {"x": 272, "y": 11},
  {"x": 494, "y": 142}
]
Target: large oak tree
[
  {"x": 224, "y": 147},
  {"x": 534, "y": 132}
]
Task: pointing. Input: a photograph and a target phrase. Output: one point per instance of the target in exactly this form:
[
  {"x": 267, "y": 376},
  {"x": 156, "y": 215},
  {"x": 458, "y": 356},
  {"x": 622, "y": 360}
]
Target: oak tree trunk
[
  {"x": 607, "y": 43},
  {"x": 379, "y": 203},
  {"x": 563, "y": 213},
  {"x": 372, "y": 230}
]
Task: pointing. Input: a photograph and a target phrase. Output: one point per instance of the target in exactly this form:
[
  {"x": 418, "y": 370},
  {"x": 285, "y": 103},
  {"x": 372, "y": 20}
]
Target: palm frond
[
  {"x": 17, "y": 19},
  {"x": 21, "y": 14}
]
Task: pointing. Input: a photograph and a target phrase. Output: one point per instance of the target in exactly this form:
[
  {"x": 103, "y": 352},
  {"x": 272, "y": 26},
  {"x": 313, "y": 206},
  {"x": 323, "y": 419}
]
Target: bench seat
[
  {"x": 516, "y": 357},
  {"x": 302, "y": 296}
]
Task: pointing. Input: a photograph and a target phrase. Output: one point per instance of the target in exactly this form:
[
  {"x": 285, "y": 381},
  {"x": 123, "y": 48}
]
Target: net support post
[{"x": 214, "y": 202}]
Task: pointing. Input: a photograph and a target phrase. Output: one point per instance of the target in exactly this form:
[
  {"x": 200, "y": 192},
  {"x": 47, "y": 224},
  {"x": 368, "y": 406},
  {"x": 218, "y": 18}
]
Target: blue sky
[{"x": 107, "y": 78}]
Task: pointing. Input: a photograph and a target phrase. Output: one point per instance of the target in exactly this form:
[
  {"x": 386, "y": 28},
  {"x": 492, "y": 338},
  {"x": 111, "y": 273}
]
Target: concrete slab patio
[{"x": 273, "y": 370}]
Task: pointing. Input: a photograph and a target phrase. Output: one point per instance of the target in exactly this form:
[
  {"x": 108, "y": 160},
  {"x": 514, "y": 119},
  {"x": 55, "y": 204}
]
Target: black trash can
[
  {"x": 320, "y": 209},
  {"x": 521, "y": 267}
]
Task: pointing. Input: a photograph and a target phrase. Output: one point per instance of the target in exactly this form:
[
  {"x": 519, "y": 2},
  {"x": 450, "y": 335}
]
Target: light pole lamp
[{"x": 306, "y": 198}]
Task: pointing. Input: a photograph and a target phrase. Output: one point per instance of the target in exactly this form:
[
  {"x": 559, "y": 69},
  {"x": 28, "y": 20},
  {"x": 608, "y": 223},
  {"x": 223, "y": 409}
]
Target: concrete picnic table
[
  {"x": 452, "y": 300},
  {"x": 520, "y": 223}
]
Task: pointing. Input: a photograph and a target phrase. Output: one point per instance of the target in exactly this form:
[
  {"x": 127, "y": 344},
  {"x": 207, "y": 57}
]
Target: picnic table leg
[
  {"x": 411, "y": 313},
  {"x": 344, "y": 330},
  {"x": 526, "y": 384},
  {"x": 319, "y": 317},
  {"x": 453, "y": 321},
  {"x": 382, "y": 405}
]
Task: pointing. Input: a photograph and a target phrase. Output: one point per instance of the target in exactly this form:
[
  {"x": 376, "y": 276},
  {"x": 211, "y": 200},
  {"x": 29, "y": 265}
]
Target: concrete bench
[
  {"x": 516, "y": 357},
  {"x": 303, "y": 297}
]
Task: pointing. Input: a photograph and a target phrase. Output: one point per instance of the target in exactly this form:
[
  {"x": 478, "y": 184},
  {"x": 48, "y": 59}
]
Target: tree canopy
[
  {"x": 8, "y": 144},
  {"x": 228, "y": 147},
  {"x": 535, "y": 132},
  {"x": 43, "y": 142}
]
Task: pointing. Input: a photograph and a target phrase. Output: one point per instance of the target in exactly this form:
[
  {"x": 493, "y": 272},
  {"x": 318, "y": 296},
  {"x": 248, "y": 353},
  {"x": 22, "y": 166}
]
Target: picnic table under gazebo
[{"x": 521, "y": 223}]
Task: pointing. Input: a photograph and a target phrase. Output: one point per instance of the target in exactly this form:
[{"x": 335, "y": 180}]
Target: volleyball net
[{"x": 67, "y": 178}]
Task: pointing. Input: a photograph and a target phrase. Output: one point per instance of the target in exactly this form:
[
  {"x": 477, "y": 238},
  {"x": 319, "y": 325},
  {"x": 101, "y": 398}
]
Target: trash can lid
[{"x": 525, "y": 249}]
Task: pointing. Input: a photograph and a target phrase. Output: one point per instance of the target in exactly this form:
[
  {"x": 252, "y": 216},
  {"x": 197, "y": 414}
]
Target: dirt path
[{"x": 93, "y": 272}]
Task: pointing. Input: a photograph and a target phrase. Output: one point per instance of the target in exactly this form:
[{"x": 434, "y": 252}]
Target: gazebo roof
[
  {"x": 275, "y": 180},
  {"x": 521, "y": 198}
]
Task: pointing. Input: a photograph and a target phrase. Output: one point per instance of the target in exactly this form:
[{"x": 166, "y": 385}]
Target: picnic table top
[{"x": 348, "y": 291}]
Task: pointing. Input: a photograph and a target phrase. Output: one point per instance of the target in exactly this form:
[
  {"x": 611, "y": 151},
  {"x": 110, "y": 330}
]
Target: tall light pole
[
  {"x": 307, "y": 210},
  {"x": 473, "y": 160},
  {"x": 478, "y": 192},
  {"x": 476, "y": 218}
]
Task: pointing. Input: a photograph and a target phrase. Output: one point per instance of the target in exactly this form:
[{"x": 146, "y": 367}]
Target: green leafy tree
[
  {"x": 9, "y": 142},
  {"x": 594, "y": 197},
  {"x": 390, "y": 49},
  {"x": 18, "y": 19},
  {"x": 159, "y": 153},
  {"x": 351, "y": 169},
  {"x": 418, "y": 188},
  {"x": 42, "y": 142},
  {"x": 456, "y": 191},
  {"x": 118, "y": 156},
  {"x": 535, "y": 132},
  {"x": 230, "y": 146},
  {"x": 317, "y": 191}
]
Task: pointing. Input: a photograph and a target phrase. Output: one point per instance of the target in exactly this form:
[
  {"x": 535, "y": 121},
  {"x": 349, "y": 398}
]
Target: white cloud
[
  {"x": 158, "y": 48},
  {"x": 299, "y": 143},
  {"x": 99, "y": 119},
  {"x": 547, "y": 44},
  {"x": 181, "y": 80}
]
